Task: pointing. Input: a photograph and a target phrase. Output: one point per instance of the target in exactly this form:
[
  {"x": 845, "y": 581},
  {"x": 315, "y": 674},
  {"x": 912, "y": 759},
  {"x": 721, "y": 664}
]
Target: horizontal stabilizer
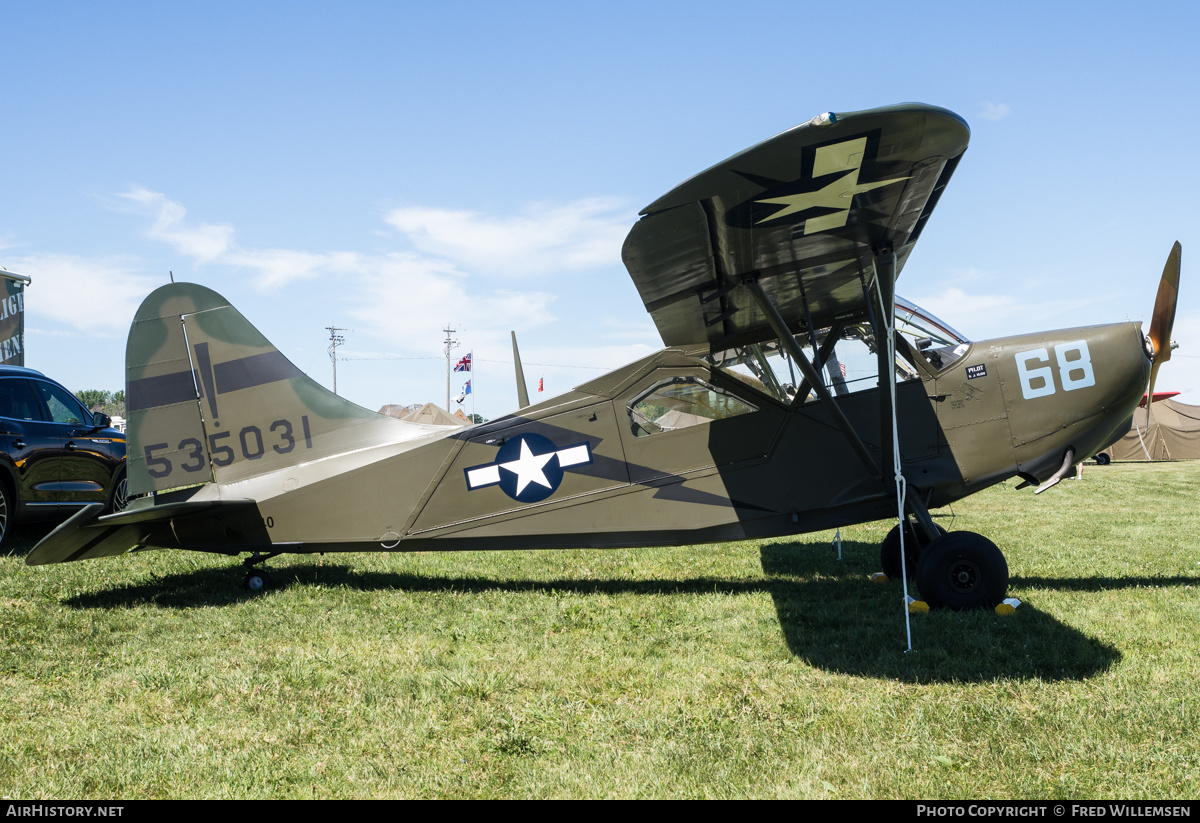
[{"x": 87, "y": 534}]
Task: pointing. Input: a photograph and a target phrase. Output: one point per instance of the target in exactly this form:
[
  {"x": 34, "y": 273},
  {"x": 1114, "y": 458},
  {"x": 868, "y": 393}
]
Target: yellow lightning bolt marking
[{"x": 845, "y": 156}]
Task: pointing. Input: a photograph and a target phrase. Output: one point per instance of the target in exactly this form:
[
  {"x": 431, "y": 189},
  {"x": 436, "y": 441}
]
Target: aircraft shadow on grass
[
  {"x": 840, "y": 623},
  {"x": 829, "y": 613}
]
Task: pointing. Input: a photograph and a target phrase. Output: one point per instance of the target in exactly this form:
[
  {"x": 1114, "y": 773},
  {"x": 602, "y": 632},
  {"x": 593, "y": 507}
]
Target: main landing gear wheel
[
  {"x": 962, "y": 570},
  {"x": 257, "y": 580},
  {"x": 914, "y": 542}
]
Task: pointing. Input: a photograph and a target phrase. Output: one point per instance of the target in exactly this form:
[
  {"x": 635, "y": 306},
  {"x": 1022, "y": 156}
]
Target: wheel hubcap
[{"x": 963, "y": 575}]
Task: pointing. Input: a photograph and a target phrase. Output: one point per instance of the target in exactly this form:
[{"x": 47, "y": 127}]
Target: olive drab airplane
[{"x": 769, "y": 412}]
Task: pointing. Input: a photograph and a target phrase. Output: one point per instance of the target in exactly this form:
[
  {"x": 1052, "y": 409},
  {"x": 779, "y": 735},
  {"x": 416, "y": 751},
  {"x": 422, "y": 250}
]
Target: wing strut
[
  {"x": 810, "y": 375},
  {"x": 885, "y": 353},
  {"x": 835, "y": 331},
  {"x": 885, "y": 346}
]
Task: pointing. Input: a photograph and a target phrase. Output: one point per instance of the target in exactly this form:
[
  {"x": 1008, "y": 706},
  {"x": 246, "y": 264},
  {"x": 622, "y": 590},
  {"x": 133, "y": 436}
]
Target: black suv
[{"x": 55, "y": 455}]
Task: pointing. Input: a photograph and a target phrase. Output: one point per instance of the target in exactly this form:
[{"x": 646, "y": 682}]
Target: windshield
[
  {"x": 936, "y": 339},
  {"x": 850, "y": 364}
]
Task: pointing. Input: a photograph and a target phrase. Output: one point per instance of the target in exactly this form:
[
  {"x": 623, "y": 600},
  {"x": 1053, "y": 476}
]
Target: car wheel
[
  {"x": 7, "y": 510},
  {"x": 119, "y": 498}
]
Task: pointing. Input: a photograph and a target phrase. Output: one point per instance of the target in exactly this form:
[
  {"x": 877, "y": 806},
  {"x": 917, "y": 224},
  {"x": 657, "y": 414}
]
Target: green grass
[{"x": 742, "y": 670}]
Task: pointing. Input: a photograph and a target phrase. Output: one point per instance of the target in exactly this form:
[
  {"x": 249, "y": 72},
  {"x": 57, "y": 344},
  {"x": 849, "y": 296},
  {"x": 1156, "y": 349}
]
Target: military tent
[
  {"x": 1173, "y": 433},
  {"x": 429, "y": 415}
]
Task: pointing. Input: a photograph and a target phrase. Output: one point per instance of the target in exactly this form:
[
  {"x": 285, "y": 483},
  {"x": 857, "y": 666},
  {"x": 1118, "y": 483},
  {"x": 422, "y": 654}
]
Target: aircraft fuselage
[{"x": 579, "y": 470}]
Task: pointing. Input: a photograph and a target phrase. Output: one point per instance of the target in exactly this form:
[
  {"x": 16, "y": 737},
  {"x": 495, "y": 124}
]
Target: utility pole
[
  {"x": 450, "y": 344},
  {"x": 335, "y": 340}
]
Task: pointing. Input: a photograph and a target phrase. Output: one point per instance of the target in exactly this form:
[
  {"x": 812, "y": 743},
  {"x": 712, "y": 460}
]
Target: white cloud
[
  {"x": 987, "y": 313},
  {"x": 204, "y": 241},
  {"x": 278, "y": 267},
  {"x": 406, "y": 299},
  {"x": 399, "y": 302},
  {"x": 994, "y": 111},
  {"x": 578, "y": 235},
  {"x": 93, "y": 295}
]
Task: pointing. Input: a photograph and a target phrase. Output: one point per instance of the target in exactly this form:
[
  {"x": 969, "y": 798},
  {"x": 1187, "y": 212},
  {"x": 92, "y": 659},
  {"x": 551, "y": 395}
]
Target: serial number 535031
[{"x": 251, "y": 443}]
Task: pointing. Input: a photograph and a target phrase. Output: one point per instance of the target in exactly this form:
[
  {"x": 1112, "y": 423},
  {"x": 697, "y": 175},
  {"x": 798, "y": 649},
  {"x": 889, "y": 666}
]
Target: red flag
[{"x": 540, "y": 380}]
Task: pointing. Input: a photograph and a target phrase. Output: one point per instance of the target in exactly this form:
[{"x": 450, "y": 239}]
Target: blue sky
[{"x": 394, "y": 167}]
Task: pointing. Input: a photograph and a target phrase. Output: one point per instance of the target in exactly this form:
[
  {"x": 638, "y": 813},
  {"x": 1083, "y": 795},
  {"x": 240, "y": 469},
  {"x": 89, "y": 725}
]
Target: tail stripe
[
  {"x": 255, "y": 370},
  {"x": 162, "y": 390}
]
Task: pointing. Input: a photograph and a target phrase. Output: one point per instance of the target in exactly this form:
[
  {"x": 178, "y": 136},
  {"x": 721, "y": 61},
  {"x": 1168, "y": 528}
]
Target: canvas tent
[
  {"x": 1173, "y": 434},
  {"x": 429, "y": 414}
]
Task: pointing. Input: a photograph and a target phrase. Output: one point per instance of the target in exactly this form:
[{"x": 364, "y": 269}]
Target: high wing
[{"x": 804, "y": 214}]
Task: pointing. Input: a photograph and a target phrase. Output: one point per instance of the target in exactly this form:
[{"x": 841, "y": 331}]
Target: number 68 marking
[{"x": 1073, "y": 372}]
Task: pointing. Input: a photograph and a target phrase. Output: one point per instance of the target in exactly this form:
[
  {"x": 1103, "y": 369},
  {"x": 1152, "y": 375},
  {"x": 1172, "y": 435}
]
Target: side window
[
  {"x": 680, "y": 403},
  {"x": 63, "y": 406},
  {"x": 17, "y": 401}
]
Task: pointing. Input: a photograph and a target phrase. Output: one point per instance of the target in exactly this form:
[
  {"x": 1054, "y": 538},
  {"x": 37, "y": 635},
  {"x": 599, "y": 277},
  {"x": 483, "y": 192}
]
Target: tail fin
[
  {"x": 209, "y": 398},
  {"x": 522, "y": 391}
]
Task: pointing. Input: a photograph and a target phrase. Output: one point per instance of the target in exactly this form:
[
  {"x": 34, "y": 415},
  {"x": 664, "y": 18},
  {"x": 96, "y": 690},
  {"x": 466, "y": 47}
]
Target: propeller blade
[
  {"x": 1164, "y": 316},
  {"x": 1164, "y": 307}
]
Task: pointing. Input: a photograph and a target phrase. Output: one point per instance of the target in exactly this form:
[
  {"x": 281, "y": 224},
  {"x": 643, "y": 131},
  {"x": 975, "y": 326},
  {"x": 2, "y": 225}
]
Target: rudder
[{"x": 209, "y": 398}]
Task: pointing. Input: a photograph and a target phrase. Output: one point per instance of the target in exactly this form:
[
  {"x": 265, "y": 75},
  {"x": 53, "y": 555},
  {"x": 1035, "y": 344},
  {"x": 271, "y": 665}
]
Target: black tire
[
  {"x": 118, "y": 499},
  {"x": 7, "y": 511},
  {"x": 914, "y": 541},
  {"x": 1103, "y": 459},
  {"x": 962, "y": 570},
  {"x": 257, "y": 580}
]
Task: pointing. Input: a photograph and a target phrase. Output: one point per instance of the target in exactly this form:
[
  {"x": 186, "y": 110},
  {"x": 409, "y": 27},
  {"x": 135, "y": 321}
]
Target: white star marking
[
  {"x": 847, "y": 157},
  {"x": 528, "y": 467}
]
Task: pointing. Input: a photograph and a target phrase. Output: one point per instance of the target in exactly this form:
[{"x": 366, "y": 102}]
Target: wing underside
[{"x": 804, "y": 214}]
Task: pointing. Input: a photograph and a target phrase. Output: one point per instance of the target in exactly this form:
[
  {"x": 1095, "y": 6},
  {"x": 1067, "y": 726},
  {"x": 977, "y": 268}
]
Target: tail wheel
[
  {"x": 914, "y": 542},
  {"x": 257, "y": 580},
  {"x": 962, "y": 570},
  {"x": 1102, "y": 459}
]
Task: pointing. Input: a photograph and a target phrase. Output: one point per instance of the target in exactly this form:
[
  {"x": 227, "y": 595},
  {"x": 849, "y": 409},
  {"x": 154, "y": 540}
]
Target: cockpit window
[
  {"x": 682, "y": 402},
  {"x": 850, "y": 363},
  {"x": 936, "y": 340}
]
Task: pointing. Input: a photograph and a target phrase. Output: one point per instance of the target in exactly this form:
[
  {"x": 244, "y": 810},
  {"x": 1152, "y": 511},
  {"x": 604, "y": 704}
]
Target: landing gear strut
[{"x": 915, "y": 542}]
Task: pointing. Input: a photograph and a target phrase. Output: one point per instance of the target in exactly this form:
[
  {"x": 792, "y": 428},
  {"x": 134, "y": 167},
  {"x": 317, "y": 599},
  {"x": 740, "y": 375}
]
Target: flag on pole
[
  {"x": 466, "y": 389},
  {"x": 540, "y": 379},
  {"x": 464, "y": 364}
]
